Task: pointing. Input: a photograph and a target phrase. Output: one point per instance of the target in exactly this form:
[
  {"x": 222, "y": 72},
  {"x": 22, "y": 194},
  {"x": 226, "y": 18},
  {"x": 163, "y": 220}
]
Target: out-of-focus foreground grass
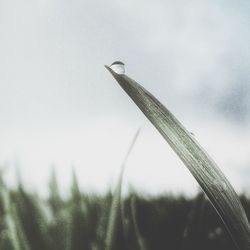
[{"x": 80, "y": 221}]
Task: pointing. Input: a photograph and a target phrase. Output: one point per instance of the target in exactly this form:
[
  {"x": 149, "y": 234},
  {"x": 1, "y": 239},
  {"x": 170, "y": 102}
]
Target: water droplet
[
  {"x": 211, "y": 236},
  {"x": 218, "y": 230},
  {"x": 118, "y": 67},
  {"x": 221, "y": 185}
]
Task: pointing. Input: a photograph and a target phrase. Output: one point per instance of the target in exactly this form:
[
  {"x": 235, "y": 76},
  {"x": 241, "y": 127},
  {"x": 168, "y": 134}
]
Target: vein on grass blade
[{"x": 211, "y": 179}]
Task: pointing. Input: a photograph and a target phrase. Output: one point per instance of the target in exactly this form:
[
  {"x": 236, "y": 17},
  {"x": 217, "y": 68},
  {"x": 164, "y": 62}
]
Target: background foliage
[{"x": 28, "y": 222}]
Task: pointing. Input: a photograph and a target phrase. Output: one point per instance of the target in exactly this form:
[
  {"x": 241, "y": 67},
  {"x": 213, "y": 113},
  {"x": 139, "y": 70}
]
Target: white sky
[{"x": 59, "y": 106}]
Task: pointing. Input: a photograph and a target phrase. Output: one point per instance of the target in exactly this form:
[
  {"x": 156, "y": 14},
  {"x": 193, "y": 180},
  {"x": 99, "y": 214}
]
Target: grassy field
[{"x": 80, "y": 222}]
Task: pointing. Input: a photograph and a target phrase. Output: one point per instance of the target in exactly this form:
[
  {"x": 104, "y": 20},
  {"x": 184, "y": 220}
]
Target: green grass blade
[
  {"x": 203, "y": 168},
  {"x": 140, "y": 240},
  {"x": 9, "y": 239},
  {"x": 115, "y": 226},
  {"x": 55, "y": 200}
]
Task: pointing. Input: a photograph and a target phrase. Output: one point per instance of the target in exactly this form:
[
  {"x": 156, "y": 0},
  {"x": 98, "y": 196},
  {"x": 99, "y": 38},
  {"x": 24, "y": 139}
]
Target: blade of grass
[
  {"x": 203, "y": 168},
  {"x": 140, "y": 240},
  {"x": 8, "y": 223},
  {"x": 115, "y": 225},
  {"x": 55, "y": 200}
]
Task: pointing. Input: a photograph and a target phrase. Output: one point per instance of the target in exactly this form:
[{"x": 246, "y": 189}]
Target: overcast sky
[{"x": 59, "y": 106}]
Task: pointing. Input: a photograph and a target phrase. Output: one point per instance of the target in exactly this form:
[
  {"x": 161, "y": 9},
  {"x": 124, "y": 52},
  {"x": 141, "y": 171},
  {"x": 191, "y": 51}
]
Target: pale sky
[{"x": 59, "y": 106}]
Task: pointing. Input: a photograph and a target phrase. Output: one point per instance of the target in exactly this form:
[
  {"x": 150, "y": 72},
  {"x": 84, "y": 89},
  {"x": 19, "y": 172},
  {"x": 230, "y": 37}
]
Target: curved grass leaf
[
  {"x": 203, "y": 168},
  {"x": 115, "y": 225}
]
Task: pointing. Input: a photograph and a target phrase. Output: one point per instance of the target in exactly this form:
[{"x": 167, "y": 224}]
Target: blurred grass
[{"x": 80, "y": 221}]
